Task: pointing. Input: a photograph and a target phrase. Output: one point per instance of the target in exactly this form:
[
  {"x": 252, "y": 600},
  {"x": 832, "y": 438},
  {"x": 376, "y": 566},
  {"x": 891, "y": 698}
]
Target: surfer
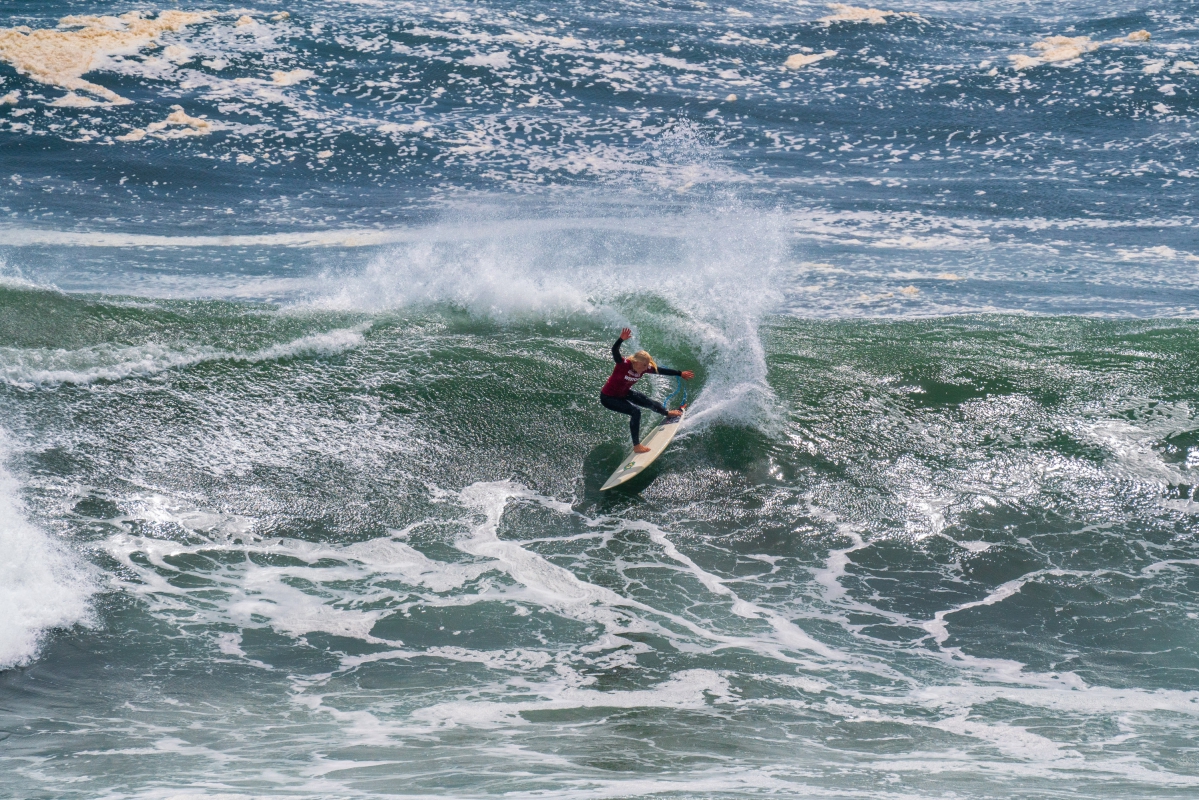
[{"x": 618, "y": 395}]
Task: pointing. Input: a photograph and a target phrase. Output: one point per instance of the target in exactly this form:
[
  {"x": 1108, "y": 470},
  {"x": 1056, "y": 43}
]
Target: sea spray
[{"x": 698, "y": 283}]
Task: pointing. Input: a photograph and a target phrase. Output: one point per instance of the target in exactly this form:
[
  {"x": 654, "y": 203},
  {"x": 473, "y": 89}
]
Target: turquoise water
[{"x": 301, "y": 453}]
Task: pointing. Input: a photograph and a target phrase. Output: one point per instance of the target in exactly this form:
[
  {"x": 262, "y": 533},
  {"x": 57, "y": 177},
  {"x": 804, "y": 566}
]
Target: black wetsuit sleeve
[
  {"x": 667, "y": 371},
  {"x": 616, "y": 356}
]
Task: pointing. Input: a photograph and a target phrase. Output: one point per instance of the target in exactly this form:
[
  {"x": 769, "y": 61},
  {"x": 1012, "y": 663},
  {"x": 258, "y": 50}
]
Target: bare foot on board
[{"x": 640, "y": 448}]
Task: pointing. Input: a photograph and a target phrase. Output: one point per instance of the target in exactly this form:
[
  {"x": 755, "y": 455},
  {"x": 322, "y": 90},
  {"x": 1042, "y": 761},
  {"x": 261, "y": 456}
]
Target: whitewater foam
[
  {"x": 690, "y": 689},
  {"x": 251, "y": 595},
  {"x": 43, "y": 586},
  {"x": 559, "y": 589},
  {"x": 549, "y": 585},
  {"x": 291, "y": 77}
]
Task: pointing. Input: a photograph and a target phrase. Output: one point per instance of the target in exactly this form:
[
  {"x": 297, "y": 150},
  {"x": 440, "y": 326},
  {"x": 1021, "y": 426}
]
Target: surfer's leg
[
  {"x": 622, "y": 406},
  {"x": 637, "y": 398}
]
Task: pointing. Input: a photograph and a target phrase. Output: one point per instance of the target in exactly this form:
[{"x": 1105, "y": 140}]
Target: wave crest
[
  {"x": 42, "y": 586},
  {"x": 45, "y": 368},
  {"x": 695, "y": 284}
]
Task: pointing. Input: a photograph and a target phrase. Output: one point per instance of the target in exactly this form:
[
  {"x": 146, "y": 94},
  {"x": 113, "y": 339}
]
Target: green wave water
[{"x": 365, "y": 553}]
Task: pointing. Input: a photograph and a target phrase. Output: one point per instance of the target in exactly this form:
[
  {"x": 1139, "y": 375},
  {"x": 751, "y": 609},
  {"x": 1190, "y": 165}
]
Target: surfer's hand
[
  {"x": 688, "y": 374},
  {"x": 625, "y": 333}
]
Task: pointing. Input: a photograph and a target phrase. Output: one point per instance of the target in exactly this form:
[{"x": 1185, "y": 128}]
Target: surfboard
[{"x": 657, "y": 440}]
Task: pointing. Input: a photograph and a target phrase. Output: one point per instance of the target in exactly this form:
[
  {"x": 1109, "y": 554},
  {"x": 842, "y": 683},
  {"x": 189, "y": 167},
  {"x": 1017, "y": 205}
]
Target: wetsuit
[{"x": 618, "y": 395}]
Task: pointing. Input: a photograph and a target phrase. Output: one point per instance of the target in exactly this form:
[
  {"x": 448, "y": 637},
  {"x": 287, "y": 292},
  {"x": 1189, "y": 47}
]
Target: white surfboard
[{"x": 657, "y": 440}]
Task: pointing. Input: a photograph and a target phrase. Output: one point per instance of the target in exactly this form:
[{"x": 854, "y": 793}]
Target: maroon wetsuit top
[
  {"x": 621, "y": 380},
  {"x": 624, "y": 376}
]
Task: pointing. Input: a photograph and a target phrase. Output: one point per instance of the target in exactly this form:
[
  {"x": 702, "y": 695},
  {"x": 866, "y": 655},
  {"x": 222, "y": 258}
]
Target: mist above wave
[{"x": 699, "y": 284}]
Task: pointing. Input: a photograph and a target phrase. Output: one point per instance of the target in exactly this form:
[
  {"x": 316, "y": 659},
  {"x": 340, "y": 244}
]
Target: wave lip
[
  {"x": 33, "y": 369},
  {"x": 42, "y": 587}
]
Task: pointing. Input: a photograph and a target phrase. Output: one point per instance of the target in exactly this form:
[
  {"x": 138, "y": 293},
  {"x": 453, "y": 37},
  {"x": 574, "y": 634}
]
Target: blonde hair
[{"x": 643, "y": 357}]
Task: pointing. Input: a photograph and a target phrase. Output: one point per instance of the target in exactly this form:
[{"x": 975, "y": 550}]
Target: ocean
[{"x": 304, "y": 312}]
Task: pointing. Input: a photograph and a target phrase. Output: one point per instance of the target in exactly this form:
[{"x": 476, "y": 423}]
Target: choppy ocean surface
[{"x": 304, "y": 308}]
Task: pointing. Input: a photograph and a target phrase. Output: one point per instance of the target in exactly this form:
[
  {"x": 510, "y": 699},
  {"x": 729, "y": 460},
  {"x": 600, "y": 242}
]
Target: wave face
[{"x": 303, "y": 315}]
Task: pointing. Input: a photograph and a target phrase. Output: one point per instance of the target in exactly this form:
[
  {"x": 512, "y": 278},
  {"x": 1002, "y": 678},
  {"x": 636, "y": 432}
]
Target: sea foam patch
[
  {"x": 801, "y": 60},
  {"x": 843, "y": 12},
  {"x": 177, "y": 125},
  {"x": 1055, "y": 49},
  {"x": 291, "y": 77},
  {"x": 62, "y": 56}
]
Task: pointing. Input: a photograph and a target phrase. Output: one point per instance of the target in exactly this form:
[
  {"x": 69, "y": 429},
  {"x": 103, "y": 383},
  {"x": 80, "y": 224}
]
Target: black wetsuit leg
[{"x": 628, "y": 405}]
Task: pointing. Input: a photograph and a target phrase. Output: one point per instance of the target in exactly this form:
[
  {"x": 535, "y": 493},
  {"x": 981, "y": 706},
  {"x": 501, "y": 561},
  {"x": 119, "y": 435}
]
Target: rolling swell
[{"x": 101, "y": 340}]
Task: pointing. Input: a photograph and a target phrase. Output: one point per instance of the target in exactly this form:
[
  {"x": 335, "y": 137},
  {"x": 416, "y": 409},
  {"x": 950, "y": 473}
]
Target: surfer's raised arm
[{"x": 624, "y": 334}]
